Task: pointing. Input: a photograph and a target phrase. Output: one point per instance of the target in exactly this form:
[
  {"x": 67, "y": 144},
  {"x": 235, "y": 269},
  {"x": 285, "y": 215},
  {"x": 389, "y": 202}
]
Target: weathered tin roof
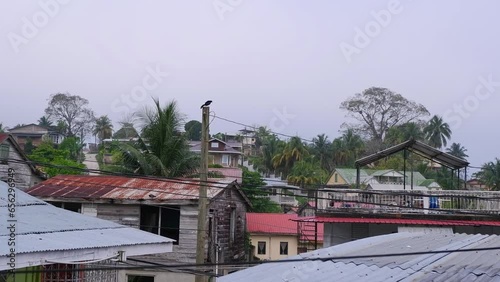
[
  {"x": 122, "y": 188},
  {"x": 44, "y": 232},
  {"x": 460, "y": 266}
]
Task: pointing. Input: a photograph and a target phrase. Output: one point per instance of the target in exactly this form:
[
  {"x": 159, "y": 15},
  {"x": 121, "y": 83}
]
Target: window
[
  {"x": 283, "y": 248},
  {"x": 214, "y": 144},
  {"x": 225, "y": 160},
  {"x": 4, "y": 153},
  {"x": 261, "y": 248},
  {"x": 336, "y": 177},
  {"x": 74, "y": 207},
  {"x": 164, "y": 221},
  {"x": 137, "y": 278}
]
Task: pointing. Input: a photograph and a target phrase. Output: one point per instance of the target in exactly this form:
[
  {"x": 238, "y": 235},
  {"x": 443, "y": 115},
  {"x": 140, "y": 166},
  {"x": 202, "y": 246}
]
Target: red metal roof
[
  {"x": 279, "y": 224},
  {"x": 121, "y": 188},
  {"x": 3, "y": 136},
  {"x": 398, "y": 221}
]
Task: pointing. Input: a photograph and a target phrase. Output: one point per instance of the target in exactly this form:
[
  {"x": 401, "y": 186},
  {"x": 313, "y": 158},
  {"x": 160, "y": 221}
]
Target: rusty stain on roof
[{"x": 122, "y": 188}]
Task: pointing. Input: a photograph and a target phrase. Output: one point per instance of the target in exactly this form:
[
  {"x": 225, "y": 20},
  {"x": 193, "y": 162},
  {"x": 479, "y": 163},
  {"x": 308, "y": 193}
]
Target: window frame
[
  {"x": 264, "y": 252},
  {"x": 284, "y": 250}
]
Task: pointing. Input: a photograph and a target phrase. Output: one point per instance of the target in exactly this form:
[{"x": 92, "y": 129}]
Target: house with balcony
[
  {"x": 391, "y": 201},
  {"x": 226, "y": 154},
  {"x": 164, "y": 207}
]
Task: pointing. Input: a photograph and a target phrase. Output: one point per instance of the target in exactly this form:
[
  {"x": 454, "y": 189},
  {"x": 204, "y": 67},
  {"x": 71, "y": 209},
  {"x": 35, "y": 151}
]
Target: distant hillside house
[
  {"x": 11, "y": 156},
  {"x": 36, "y": 133},
  {"x": 226, "y": 154},
  {"x": 387, "y": 178}
]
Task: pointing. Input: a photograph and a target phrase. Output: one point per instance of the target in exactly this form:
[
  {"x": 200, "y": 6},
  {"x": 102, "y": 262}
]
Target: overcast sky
[{"x": 284, "y": 64}]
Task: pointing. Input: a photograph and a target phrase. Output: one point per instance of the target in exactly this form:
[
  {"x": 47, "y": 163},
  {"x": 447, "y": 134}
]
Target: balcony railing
[{"x": 434, "y": 201}]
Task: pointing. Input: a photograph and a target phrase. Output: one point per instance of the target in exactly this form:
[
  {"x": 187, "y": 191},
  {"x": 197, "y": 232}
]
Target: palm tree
[
  {"x": 103, "y": 128},
  {"x": 322, "y": 149},
  {"x": 293, "y": 151},
  {"x": 437, "y": 132},
  {"x": 162, "y": 149},
  {"x": 271, "y": 145},
  {"x": 457, "y": 150},
  {"x": 306, "y": 173},
  {"x": 490, "y": 175},
  {"x": 44, "y": 121}
]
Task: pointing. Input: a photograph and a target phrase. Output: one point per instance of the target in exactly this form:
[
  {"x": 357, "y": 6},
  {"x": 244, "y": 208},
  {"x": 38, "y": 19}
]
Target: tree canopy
[
  {"x": 193, "y": 130},
  {"x": 74, "y": 111},
  {"x": 377, "y": 109}
]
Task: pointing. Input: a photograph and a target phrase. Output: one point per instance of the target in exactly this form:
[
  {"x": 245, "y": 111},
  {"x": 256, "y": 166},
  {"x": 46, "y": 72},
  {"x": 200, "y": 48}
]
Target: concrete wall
[{"x": 273, "y": 245}]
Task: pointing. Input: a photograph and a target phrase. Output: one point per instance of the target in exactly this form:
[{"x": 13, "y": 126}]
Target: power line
[{"x": 256, "y": 128}]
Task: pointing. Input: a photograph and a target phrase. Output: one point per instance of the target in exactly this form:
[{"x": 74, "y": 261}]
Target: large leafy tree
[
  {"x": 44, "y": 121},
  {"x": 377, "y": 109},
  {"x": 457, "y": 150},
  {"x": 252, "y": 186},
  {"x": 103, "y": 128},
  {"x": 74, "y": 111},
  {"x": 193, "y": 130},
  {"x": 437, "y": 132},
  {"x": 490, "y": 174},
  {"x": 162, "y": 150}
]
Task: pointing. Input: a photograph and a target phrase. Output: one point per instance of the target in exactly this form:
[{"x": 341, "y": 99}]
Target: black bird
[{"x": 207, "y": 103}]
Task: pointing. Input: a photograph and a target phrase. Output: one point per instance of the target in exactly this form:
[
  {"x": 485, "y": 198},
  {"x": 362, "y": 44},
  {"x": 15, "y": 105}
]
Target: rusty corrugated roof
[{"x": 122, "y": 188}]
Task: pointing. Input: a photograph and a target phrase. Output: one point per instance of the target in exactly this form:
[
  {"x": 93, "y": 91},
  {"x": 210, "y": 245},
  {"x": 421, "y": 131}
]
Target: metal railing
[{"x": 433, "y": 201}]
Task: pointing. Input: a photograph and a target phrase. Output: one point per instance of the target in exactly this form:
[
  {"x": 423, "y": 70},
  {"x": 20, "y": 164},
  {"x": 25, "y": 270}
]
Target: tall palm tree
[
  {"x": 162, "y": 149},
  {"x": 271, "y": 145},
  {"x": 103, "y": 128},
  {"x": 437, "y": 132},
  {"x": 293, "y": 151},
  {"x": 322, "y": 149},
  {"x": 457, "y": 150},
  {"x": 490, "y": 175},
  {"x": 44, "y": 121}
]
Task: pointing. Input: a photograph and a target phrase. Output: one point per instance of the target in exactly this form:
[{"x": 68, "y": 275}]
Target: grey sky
[{"x": 257, "y": 58}]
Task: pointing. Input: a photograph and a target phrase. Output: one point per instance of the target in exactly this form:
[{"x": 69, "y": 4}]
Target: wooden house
[
  {"x": 12, "y": 157},
  {"x": 165, "y": 207}
]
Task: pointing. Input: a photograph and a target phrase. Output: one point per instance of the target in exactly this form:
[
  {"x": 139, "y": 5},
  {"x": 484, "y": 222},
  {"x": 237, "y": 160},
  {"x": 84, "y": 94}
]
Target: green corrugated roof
[{"x": 349, "y": 175}]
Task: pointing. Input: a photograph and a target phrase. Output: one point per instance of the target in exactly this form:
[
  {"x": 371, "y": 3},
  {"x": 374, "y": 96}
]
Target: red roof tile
[
  {"x": 279, "y": 224},
  {"x": 398, "y": 221}
]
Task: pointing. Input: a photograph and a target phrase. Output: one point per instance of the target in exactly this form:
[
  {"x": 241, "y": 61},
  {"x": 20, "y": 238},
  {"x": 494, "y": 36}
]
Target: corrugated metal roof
[
  {"x": 464, "y": 266},
  {"x": 121, "y": 188},
  {"x": 279, "y": 223},
  {"x": 41, "y": 227},
  {"x": 399, "y": 221}
]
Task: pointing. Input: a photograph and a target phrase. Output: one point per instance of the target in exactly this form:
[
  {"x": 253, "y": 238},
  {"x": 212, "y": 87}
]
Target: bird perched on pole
[{"x": 207, "y": 103}]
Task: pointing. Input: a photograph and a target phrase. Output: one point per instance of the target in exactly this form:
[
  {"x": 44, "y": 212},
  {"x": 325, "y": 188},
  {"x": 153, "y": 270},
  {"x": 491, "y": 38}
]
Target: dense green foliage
[
  {"x": 252, "y": 186},
  {"x": 58, "y": 160}
]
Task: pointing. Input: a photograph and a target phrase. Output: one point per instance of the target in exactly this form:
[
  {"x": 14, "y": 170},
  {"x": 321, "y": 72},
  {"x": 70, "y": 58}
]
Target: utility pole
[{"x": 202, "y": 201}]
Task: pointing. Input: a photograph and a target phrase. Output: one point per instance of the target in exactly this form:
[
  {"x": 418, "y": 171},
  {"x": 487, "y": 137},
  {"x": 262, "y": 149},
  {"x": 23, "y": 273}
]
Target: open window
[
  {"x": 283, "y": 248},
  {"x": 164, "y": 221},
  {"x": 261, "y": 248}
]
